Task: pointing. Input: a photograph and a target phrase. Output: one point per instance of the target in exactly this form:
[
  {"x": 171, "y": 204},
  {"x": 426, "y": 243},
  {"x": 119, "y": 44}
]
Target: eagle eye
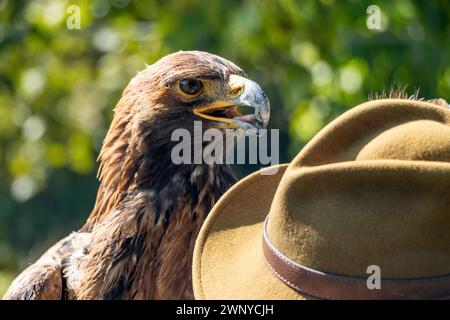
[{"x": 191, "y": 86}]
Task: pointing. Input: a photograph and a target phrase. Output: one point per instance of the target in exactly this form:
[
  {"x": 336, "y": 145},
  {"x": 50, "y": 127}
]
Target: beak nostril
[
  {"x": 237, "y": 85},
  {"x": 236, "y": 92}
]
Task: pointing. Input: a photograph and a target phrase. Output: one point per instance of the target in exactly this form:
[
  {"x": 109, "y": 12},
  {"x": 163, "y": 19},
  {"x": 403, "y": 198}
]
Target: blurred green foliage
[{"x": 58, "y": 86}]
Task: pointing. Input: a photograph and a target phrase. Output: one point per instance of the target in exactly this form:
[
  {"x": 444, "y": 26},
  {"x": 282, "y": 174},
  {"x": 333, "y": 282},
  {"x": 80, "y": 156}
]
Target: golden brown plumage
[{"x": 137, "y": 242}]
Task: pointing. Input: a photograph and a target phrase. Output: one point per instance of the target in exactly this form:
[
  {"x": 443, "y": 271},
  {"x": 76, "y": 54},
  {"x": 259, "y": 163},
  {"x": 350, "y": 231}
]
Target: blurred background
[{"x": 58, "y": 85}]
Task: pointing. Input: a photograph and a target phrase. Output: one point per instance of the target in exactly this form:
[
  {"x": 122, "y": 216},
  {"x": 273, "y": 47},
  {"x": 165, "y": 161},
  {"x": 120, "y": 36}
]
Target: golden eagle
[{"x": 138, "y": 241}]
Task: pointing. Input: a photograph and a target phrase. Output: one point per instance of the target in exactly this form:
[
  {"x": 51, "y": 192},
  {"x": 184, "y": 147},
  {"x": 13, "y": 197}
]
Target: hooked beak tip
[{"x": 253, "y": 96}]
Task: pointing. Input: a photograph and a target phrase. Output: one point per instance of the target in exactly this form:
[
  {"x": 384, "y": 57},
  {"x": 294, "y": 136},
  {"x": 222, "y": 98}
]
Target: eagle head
[{"x": 189, "y": 86}]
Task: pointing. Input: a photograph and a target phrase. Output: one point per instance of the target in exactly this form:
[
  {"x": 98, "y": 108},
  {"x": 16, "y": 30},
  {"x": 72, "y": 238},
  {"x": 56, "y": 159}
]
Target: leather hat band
[{"x": 323, "y": 285}]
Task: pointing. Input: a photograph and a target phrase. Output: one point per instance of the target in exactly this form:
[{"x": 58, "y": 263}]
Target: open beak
[{"x": 243, "y": 93}]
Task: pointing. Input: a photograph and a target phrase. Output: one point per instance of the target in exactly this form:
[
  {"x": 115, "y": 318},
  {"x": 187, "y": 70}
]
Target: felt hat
[{"x": 362, "y": 212}]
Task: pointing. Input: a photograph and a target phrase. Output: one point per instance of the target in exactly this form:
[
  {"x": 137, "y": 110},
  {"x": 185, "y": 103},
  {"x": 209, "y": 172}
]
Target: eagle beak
[{"x": 242, "y": 93}]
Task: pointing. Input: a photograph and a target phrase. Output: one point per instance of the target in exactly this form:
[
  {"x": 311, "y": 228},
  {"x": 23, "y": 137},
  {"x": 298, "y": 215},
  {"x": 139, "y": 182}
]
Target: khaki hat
[{"x": 370, "y": 189}]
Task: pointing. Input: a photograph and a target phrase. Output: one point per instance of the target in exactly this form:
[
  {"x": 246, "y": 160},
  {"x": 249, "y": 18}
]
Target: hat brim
[{"x": 228, "y": 260}]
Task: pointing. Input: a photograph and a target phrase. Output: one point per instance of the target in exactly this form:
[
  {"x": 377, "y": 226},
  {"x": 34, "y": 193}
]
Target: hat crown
[
  {"x": 379, "y": 130},
  {"x": 370, "y": 189}
]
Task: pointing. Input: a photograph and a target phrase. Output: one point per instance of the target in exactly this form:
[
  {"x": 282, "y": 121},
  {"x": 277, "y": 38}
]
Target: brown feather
[{"x": 138, "y": 241}]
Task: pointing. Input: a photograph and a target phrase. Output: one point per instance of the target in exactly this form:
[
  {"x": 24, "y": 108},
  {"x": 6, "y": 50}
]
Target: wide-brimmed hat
[{"x": 362, "y": 212}]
